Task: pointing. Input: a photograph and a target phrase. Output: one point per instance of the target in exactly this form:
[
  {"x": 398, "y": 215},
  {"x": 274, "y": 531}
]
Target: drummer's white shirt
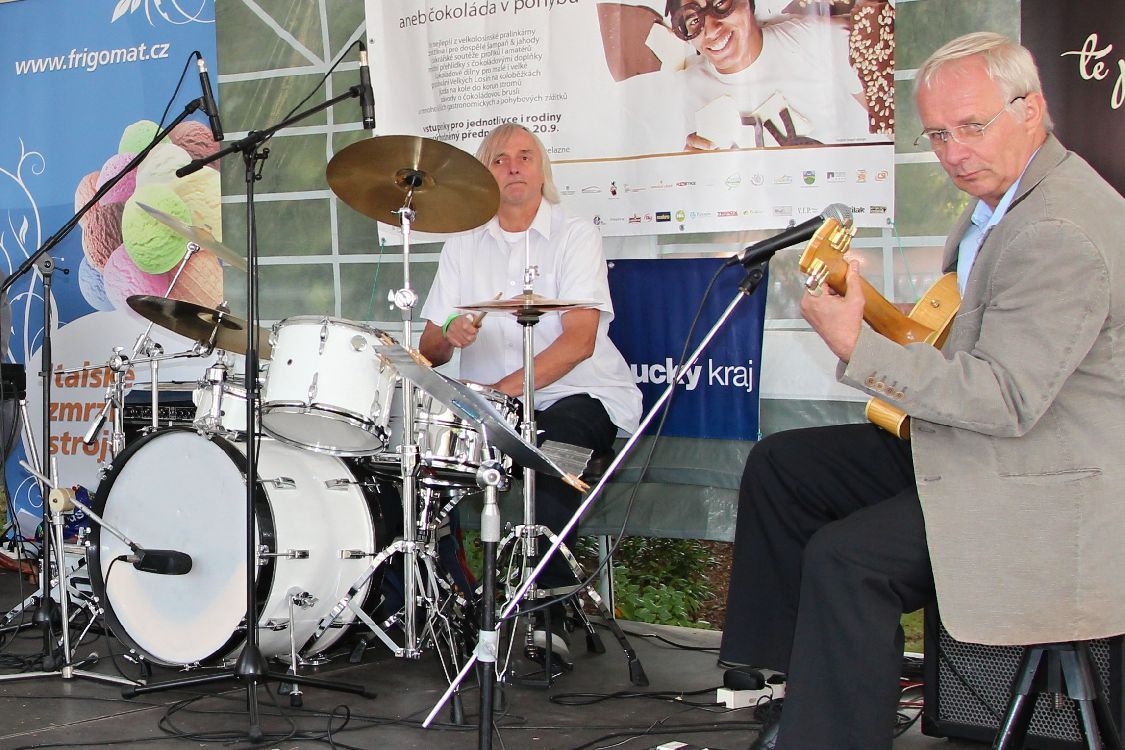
[{"x": 479, "y": 264}]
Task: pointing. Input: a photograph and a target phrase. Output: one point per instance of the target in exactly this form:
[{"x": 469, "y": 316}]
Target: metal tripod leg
[{"x": 594, "y": 644}]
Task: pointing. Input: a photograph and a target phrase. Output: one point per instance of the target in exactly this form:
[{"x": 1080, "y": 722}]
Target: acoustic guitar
[{"x": 928, "y": 322}]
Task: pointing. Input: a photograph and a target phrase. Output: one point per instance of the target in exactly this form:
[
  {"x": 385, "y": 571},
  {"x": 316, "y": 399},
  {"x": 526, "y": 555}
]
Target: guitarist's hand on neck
[{"x": 837, "y": 318}]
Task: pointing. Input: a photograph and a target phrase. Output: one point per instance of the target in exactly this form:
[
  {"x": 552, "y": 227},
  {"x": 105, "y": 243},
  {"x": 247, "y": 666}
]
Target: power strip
[{"x": 746, "y": 698}]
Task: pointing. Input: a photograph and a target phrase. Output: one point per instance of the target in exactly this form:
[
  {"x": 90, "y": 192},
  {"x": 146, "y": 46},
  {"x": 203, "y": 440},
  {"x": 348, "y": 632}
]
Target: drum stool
[
  {"x": 595, "y": 469},
  {"x": 1041, "y": 667}
]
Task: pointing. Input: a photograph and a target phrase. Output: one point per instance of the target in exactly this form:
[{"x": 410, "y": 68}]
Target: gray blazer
[{"x": 1018, "y": 422}]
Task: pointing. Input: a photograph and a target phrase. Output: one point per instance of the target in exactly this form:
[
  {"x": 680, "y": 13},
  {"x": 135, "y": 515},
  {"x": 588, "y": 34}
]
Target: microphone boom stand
[
  {"x": 755, "y": 273},
  {"x": 251, "y": 667}
]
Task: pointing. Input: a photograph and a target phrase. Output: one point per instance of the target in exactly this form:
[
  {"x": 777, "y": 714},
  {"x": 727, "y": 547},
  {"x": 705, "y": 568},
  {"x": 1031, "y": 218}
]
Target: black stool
[
  {"x": 595, "y": 469},
  {"x": 1039, "y": 669}
]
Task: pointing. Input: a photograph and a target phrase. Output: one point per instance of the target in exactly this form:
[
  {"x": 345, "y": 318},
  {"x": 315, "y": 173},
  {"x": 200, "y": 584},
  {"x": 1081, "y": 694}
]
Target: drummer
[{"x": 584, "y": 390}]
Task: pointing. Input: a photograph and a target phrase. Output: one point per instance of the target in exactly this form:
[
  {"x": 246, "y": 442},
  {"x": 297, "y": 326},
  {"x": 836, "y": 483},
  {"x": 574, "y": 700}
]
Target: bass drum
[{"x": 176, "y": 489}]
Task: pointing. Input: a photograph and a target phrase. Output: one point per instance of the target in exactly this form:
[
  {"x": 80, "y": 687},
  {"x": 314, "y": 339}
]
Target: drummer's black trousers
[{"x": 830, "y": 551}]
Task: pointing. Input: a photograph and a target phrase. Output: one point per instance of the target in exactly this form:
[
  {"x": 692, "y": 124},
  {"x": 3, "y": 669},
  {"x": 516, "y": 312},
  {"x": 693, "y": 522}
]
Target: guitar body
[{"x": 928, "y": 322}]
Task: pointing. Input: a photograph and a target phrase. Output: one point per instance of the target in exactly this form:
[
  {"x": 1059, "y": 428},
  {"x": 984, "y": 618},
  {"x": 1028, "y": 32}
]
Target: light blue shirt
[{"x": 983, "y": 219}]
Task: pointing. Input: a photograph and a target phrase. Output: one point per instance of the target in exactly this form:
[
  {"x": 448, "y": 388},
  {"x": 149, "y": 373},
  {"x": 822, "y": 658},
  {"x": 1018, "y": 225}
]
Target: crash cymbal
[
  {"x": 449, "y": 189},
  {"x": 213, "y": 328},
  {"x": 198, "y": 235},
  {"x": 526, "y": 303}
]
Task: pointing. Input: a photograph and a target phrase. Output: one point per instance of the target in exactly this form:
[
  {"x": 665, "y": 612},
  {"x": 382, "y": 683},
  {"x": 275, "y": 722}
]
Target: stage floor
[{"x": 594, "y": 706}]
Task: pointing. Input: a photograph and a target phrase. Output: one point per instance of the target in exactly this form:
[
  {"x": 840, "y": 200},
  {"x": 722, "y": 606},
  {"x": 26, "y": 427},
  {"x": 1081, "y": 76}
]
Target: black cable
[
  {"x": 673, "y": 644},
  {"x": 590, "y": 699}
]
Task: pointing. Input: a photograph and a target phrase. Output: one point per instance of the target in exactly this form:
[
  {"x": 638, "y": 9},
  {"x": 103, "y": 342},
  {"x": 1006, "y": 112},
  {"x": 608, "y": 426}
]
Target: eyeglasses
[
  {"x": 966, "y": 135},
  {"x": 688, "y": 19}
]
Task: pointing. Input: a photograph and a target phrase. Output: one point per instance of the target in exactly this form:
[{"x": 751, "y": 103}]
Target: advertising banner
[
  {"x": 80, "y": 102},
  {"x": 1080, "y": 50},
  {"x": 659, "y": 117},
  {"x": 655, "y": 303}
]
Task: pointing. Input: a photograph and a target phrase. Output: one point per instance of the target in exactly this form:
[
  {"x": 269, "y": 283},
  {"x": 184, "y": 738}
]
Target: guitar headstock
[{"x": 823, "y": 259}]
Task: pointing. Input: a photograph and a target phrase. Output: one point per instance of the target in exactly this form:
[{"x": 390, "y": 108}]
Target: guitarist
[{"x": 1005, "y": 505}]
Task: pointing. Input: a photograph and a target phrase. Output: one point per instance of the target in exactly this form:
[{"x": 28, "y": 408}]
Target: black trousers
[
  {"x": 830, "y": 551},
  {"x": 579, "y": 420}
]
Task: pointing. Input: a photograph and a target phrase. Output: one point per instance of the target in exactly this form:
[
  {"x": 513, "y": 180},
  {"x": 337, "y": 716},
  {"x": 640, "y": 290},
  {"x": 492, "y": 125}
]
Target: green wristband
[{"x": 448, "y": 321}]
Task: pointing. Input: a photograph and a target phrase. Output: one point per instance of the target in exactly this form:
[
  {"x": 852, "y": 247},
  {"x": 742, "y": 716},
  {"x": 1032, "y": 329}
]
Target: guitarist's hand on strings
[{"x": 837, "y": 317}]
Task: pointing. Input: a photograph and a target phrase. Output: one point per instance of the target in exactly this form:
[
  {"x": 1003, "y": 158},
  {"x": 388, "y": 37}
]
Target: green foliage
[{"x": 659, "y": 581}]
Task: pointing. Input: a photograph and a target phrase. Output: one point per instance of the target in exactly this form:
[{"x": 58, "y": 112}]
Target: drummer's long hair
[{"x": 495, "y": 140}]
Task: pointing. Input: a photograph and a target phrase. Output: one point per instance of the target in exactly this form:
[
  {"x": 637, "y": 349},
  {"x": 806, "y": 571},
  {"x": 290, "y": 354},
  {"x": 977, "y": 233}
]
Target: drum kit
[{"x": 352, "y": 423}]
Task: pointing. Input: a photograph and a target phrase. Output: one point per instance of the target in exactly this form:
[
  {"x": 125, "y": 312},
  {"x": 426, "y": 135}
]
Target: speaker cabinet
[{"x": 968, "y": 687}]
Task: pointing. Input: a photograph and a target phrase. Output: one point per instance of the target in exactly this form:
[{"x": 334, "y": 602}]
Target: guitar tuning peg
[{"x": 817, "y": 274}]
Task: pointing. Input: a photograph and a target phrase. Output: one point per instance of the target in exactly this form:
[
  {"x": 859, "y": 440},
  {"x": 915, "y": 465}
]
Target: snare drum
[
  {"x": 176, "y": 489},
  {"x": 326, "y": 389},
  {"x": 450, "y": 449}
]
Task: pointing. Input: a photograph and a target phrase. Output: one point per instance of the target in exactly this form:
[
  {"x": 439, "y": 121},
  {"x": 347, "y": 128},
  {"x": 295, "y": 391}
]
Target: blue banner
[
  {"x": 655, "y": 303},
  {"x": 86, "y": 86}
]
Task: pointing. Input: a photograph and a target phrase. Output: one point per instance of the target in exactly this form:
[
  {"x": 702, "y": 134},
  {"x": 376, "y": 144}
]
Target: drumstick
[{"x": 479, "y": 318}]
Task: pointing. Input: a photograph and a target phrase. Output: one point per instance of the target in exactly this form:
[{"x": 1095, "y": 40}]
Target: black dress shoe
[{"x": 767, "y": 738}]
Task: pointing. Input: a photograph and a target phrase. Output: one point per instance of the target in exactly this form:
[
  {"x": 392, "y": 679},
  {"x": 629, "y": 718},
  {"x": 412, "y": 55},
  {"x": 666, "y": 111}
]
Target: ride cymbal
[
  {"x": 526, "y": 303},
  {"x": 449, "y": 190},
  {"x": 212, "y": 328},
  {"x": 198, "y": 235}
]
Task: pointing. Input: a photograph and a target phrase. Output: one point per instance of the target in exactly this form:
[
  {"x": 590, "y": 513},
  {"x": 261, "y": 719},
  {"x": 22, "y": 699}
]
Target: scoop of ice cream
[
  {"x": 161, "y": 164},
  {"x": 101, "y": 232},
  {"x": 201, "y": 192},
  {"x": 195, "y": 138},
  {"x": 87, "y": 186},
  {"x": 92, "y": 286},
  {"x": 136, "y": 136},
  {"x": 201, "y": 282},
  {"x": 154, "y": 247},
  {"x": 122, "y": 278},
  {"x": 120, "y": 192}
]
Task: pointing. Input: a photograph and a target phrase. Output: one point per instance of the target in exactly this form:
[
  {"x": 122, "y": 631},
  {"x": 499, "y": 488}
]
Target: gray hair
[
  {"x": 494, "y": 142},
  {"x": 1009, "y": 65}
]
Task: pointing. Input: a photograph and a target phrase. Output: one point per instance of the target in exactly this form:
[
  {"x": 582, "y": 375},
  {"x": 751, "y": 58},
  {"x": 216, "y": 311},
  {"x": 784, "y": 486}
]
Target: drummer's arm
[
  {"x": 574, "y": 344},
  {"x": 434, "y": 346}
]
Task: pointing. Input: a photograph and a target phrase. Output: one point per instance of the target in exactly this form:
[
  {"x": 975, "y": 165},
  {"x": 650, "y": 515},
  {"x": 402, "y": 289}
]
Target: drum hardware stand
[
  {"x": 405, "y": 300},
  {"x": 119, "y": 364},
  {"x": 251, "y": 667},
  {"x": 755, "y": 273}
]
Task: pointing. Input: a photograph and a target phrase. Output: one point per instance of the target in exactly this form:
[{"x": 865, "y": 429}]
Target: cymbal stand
[
  {"x": 251, "y": 667},
  {"x": 405, "y": 299}
]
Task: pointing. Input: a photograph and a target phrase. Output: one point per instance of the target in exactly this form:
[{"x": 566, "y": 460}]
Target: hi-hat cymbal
[
  {"x": 198, "y": 235},
  {"x": 449, "y": 189},
  {"x": 212, "y": 328},
  {"x": 528, "y": 303}
]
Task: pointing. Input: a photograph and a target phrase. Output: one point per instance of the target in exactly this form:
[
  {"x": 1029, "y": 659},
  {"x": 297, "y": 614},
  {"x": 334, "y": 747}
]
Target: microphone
[
  {"x": 805, "y": 230},
  {"x": 209, "y": 106},
  {"x": 165, "y": 562},
  {"x": 366, "y": 94}
]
